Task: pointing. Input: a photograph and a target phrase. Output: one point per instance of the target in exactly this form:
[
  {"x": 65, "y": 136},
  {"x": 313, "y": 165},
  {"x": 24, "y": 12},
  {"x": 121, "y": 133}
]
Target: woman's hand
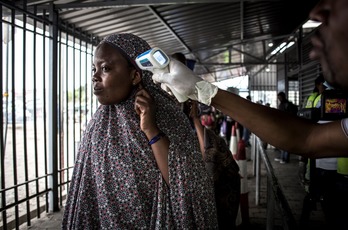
[{"x": 146, "y": 109}]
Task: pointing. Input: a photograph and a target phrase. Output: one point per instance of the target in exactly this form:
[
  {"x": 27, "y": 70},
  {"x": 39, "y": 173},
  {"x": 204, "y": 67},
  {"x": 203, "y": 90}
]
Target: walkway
[{"x": 287, "y": 177}]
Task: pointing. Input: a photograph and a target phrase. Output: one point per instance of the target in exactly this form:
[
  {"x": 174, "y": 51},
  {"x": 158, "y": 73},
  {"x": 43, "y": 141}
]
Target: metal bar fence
[
  {"x": 275, "y": 194},
  {"x": 46, "y": 102}
]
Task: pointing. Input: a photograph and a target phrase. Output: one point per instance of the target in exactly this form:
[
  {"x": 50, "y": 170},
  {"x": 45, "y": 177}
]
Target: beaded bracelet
[{"x": 156, "y": 138}]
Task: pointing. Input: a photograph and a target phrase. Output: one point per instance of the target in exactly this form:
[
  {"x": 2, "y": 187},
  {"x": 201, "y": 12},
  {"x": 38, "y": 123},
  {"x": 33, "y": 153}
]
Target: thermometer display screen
[
  {"x": 159, "y": 57},
  {"x": 152, "y": 59}
]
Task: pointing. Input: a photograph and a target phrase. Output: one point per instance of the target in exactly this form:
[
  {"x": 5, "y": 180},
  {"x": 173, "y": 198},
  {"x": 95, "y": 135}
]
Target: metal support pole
[
  {"x": 53, "y": 111},
  {"x": 258, "y": 172},
  {"x": 270, "y": 205},
  {"x": 253, "y": 149}
]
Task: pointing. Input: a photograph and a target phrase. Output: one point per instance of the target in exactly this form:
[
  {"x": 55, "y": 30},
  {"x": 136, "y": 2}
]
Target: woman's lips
[{"x": 97, "y": 90}]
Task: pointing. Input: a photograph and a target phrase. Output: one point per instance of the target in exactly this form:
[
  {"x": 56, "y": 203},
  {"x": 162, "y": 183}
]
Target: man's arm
[
  {"x": 278, "y": 128},
  {"x": 283, "y": 130}
]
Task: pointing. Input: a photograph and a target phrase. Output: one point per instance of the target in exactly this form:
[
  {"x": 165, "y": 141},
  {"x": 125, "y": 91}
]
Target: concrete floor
[{"x": 49, "y": 221}]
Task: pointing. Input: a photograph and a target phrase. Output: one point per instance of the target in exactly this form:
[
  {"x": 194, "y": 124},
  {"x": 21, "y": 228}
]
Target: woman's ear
[{"x": 136, "y": 77}]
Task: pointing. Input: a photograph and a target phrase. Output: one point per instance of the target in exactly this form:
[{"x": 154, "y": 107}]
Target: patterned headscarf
[
  {"x": 122, "y": 43},
  {"x": 116, "y": 182}
]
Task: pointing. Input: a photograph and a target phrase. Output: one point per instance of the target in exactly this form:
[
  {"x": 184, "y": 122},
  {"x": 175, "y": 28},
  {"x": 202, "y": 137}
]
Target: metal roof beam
[
  {"x": 126, "y": 3},
  {"x": 244, "y": 63},
  {"x": 154, "y": 12}
]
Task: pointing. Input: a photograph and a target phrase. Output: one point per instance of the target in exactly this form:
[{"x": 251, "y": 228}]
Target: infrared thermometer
[
  {"x": 155, "y": 58},
  {"x": 152, "y": 59}
]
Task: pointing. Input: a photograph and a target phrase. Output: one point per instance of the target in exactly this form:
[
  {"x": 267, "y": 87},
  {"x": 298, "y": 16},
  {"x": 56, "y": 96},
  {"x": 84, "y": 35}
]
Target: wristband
[{"x": 156, "y": 138}]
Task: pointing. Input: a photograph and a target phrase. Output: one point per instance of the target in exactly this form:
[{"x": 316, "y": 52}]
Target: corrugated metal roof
[{"x": 224, "y": 38}]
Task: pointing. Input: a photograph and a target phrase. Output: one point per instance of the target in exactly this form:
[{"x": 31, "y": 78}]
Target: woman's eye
[
  {"x": 93, "y": 69},
  {"x": 105, "y": 69}
]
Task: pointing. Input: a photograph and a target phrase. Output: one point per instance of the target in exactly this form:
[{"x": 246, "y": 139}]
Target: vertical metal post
[
  {"x": 270, "y": 204},
  {"x": 35, "y": 116},
  {"x": 25, "y": 131},
  {"x": 242, "y": 31},
  {"x": 53, "y": 111},
  {"x": 3, "y": 132},
  {"x": 300, "y": 58},
  {"x": 258, "y": 172},
  {"x": 74, "y": 91},
  {"x": 67, "y": 134},
  {"x": 13, "y": 118},
  {"x": 60, "y": 119},
  {"x": 253, "y": 150}
]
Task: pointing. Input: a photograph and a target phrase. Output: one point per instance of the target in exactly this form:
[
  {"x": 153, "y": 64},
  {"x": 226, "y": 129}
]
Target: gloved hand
[
  {"x": 172, "y": 92},
  {"x": 184, "y": 83},
  {"x": 166, "y": 87}
]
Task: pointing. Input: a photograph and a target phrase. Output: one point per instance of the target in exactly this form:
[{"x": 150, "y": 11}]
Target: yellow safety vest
[
  {"x": 342, "y": 165},
  {"x": 311, "y": 100}
]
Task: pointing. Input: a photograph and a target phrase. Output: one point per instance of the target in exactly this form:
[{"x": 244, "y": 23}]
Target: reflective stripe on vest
[{"x": 316, "y": 101}]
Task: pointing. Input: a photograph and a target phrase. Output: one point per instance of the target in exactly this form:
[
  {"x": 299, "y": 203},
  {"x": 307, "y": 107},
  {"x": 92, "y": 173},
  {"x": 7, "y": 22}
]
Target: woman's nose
[{"x": 95, "y": 78}]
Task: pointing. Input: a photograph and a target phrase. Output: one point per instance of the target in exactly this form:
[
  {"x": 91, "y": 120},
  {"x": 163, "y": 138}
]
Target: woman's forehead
[
  {"x": 106, "y": 48},
  {"x": 106, "y": 52}
]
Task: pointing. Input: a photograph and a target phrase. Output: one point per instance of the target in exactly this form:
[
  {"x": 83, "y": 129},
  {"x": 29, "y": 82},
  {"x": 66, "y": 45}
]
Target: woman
[
  {"x": 221, "y": 166},
  {"x": 139, "y": 164}
]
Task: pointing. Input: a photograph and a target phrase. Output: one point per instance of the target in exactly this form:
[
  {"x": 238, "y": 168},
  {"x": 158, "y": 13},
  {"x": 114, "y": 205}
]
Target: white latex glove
[
  {"x": 184, "y": 83},
  {"x": 172, "y": 91},
  {"x": 166, "y": 87}
]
